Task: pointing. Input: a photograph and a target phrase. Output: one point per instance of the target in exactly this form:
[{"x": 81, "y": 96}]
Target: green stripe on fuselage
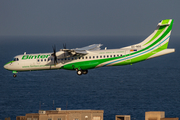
[
  {"x": 84, "y": 65},
  {"x": 9, "y": 62},
  {"x": 143, "y": 57},
  {"x": 161, "y": 28}
]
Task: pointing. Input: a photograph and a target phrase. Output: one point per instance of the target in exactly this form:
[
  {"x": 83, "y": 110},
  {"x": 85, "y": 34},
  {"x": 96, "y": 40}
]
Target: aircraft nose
[{"x": 6, "y": 66}]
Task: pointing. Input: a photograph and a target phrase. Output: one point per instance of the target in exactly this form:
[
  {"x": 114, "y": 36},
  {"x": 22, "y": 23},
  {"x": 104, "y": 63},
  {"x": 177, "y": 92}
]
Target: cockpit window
[{"x": 15, "y": 59}]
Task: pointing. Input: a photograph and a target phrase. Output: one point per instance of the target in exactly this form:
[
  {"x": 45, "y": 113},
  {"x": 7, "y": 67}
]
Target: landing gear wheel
[
  {"x": 14, "y": 75},
  {"x": 85, "y": 71},
  {"x": 79, "y": 72}
]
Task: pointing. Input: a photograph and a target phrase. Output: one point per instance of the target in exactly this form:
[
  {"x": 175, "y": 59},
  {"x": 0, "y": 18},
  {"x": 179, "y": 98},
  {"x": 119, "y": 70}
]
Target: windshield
[{"x": 15, "y": 59}]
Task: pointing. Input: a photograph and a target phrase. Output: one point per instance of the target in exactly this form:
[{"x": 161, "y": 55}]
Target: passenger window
[
  {"x": 100, "y": 56},
  {"x": 114, "y": 55},
  {"x": 93, "y": 56},
  {"x": 117, "y": 55},
  {"x": 110, "y": 55},
  {"x": 41, "y": 60},
  {"x": 38, "y": 60},
  {"x": 79, "y": 57},
  {"x": 86, "y": 57},
  {"x": 82, "y": 57},
  {"x": 64, "y": 58},
  {"x": 107, "y": 56},
  {"x": 44, "y": 59},
  {"x": 96, "y": 56},
  {"x": 121, "y": 55},
  {"x": 72, "y": 58},
  {"x": 75, "y": 58},
  {"x": 89, "y": 57},
  {"x": 104, "y": 56}
]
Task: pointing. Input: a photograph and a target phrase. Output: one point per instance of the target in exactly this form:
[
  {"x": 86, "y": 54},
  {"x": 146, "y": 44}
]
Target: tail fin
[{"x": 162, "y": 32}]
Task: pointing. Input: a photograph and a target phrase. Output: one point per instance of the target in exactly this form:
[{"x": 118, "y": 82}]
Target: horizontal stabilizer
[
  {"x": 166, "y": 22},
  {"x": 163, "y": 52}
]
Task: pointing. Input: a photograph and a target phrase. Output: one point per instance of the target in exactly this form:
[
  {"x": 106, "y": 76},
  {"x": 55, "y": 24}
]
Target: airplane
[{"x": 90, "y": 57}]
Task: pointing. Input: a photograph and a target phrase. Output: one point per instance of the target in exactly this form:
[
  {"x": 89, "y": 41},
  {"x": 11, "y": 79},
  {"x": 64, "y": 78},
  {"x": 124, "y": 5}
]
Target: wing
[{"x": 83, "y": 50}]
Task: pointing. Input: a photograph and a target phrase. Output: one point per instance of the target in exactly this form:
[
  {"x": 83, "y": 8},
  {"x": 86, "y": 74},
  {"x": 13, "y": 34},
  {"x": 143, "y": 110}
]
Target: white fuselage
[{"x": 44, "y": 61}]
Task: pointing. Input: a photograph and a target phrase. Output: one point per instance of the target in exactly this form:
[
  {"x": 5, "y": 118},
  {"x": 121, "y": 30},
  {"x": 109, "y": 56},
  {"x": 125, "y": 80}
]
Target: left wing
[{"x": 83, "y": 50}]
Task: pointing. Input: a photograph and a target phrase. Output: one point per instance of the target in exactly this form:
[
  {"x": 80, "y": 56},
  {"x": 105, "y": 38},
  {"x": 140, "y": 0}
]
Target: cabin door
[{"x": 128, "y": 59}]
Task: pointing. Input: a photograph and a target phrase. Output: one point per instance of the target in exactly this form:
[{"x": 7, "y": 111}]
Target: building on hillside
[
  {"x": 157, "y": 115},
  {"x": 122, "y": 117},
  {"x": 59, "y": 114}
]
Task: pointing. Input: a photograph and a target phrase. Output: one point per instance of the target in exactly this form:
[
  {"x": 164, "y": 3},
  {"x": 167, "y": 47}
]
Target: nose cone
[{"x": 6, "y": 66}]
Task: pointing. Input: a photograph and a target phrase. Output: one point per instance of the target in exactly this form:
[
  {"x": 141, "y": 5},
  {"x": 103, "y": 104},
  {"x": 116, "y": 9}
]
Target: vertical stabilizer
[{"x": 163, "y": 31}]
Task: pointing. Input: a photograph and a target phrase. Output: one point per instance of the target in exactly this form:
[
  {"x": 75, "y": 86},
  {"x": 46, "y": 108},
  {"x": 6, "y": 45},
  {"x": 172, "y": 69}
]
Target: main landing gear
[{"x": 80, "y": 72}]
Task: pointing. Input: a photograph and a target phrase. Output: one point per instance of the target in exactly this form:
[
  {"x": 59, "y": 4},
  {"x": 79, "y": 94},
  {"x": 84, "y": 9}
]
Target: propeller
[
  {"x": 66, "y": 53},
  {"x": 54, "y": 54},
  {"x": 64, "y": 47}
]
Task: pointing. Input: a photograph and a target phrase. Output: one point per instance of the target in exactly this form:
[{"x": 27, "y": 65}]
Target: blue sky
[{"x": 86, "y": 17}]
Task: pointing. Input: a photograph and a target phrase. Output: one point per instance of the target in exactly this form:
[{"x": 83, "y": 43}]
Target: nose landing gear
[{"x": 14, "y": 75}]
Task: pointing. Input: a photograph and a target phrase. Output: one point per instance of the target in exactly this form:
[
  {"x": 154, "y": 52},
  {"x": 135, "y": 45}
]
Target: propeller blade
[
  {"x": 64, "y": 47},
  {"x": 55, "y": 60},
  {"x": 54, "y": 54}
]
